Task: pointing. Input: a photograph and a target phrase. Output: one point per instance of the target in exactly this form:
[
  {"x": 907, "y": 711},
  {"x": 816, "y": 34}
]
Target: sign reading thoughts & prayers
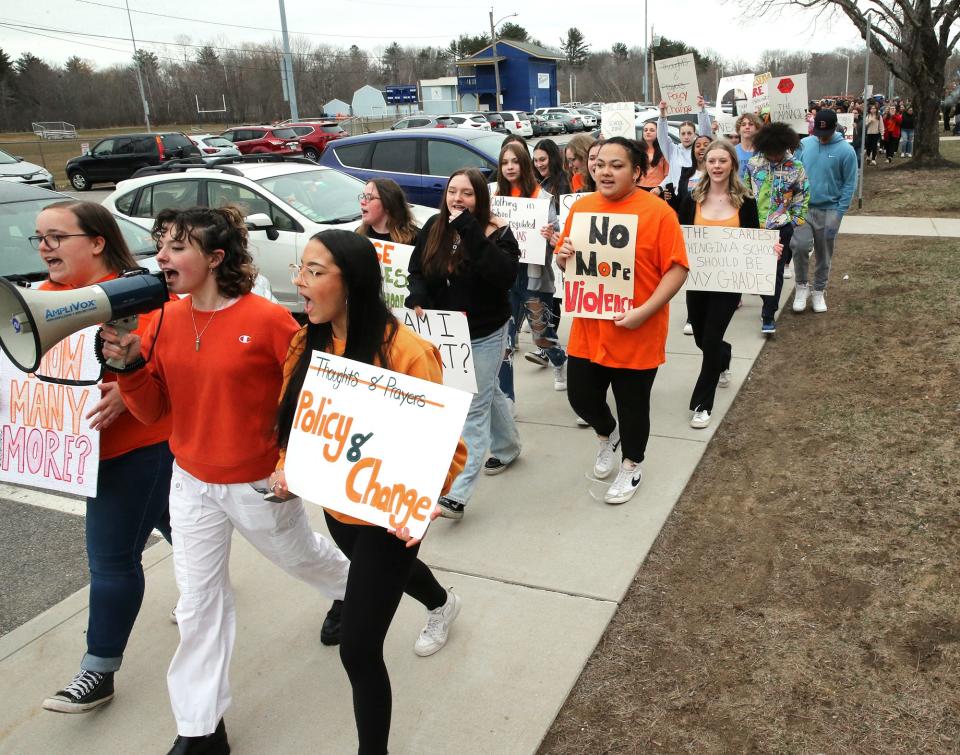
[
  {"x": 598, "y": 282},
  {"x": 731, "y": 259},
  {"x": 677, "y": 78}
]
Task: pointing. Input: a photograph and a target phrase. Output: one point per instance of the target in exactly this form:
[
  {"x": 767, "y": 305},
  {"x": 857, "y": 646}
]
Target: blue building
[{"x": 528, "y": 77}]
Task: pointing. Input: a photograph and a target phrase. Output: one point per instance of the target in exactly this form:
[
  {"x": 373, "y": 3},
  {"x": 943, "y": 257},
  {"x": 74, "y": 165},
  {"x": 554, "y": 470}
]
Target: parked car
[
  {"x": 545, "y": 110},
  {"x": 285, "y": 201},
  {"x": 118, "y": 157},
  {"x": 420, "y": 159},
  {"x": 542, "y": 127},
  {"x": 590, "y": 118},
  {"x": 423, "y": 121},
  {"x": 257, "y": 140},
  {"x": 496, "y": 122},
  {"x": 17, "y": 170},
  {"x": 570, "y": 123},
  {"x": 517, "y": 122},
  {"x": 467, "y": 120},
  {"x": 214, "y": 147},
  {"x": 314, "y": 136}
]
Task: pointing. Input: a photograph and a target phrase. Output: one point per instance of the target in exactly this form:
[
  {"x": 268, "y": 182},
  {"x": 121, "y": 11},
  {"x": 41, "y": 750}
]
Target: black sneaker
[
  {"x": 88, "y": 690},
  {"x": 538, "y": 357},
  {"x": 450, "y": 509},
  {"x": 211, "y": 744},
  {"x": 330, "y": 631},
  {"x": 493, "y": 465}
]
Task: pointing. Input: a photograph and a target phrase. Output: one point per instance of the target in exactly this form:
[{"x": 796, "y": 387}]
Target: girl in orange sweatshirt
[{"x": 216, "y": 365}]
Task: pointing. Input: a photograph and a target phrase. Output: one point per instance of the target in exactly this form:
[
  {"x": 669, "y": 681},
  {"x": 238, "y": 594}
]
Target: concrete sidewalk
[
  {"x": 879, "y": 225},
  {"x": 541, "y": 566}
]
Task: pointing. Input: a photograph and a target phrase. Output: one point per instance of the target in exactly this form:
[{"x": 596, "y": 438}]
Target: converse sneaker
[
  {"x": 724, "y": 380},
  {"x": 493, "y": 465},
  {"x": 626, "y": 484},
  {"x": 450, "y": 509},
  {"x": 701, "y": 419},
  {"x": 800, "y": 297},
  {"x": 768, "y": 326},
  {"x": 434, "y": 634},
  {"x": 88, "y": 690},
  {"x": 209, "y": 744},
  {"x": 687, "y": 328},
  {"x": 560, "y": 377},
  {"x": 818, "y": 301},
  {"x": 538, "y": 357},
  {"x": 787, "y": 273},
  {"x": 606, "y": 454},
  {"x": 330, "y": 630}
]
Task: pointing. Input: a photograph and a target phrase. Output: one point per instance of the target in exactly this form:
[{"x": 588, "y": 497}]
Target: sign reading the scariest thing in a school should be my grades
[
  {"x": 350, "y": 447},
  {"x": 598, "y": 282},
  {"x": 731, "y": 259}
]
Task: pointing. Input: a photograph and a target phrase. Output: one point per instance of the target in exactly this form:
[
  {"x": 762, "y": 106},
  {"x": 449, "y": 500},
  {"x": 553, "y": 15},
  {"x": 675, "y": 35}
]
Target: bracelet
[{"x": 137, "y": 364}]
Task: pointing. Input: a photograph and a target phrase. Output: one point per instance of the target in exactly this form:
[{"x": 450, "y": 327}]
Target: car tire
[
  {"x": 79, "y": 181},
  {"x": 311, "y": 154}
]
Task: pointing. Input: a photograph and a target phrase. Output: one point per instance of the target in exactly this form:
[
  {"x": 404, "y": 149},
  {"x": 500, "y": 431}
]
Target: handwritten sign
[
  {"x": 394, "y": 264},
  {"x": 760, "y": 97},
  {"x": 677, "y": 78},
  {"x": 846, "y": 121},
  {"x": 618, "y": 119},
  {"x": 46, "y": 441},
  {"x": 599, "y": 279},
  {"x": 737, "y": 88},
  {"x": 526, "y": 217},
  {"x": 350, "y": 448},
  {"x": 731, "y": 259},
  {"x": 566, "y": 202},
  {"x": 450, "y": 333},
  {"x": 788, "y": 101}
]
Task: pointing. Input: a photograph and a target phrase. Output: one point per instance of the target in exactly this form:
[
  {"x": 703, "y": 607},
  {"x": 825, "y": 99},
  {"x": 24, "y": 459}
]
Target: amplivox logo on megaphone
[{"x": 33, "y": 321}]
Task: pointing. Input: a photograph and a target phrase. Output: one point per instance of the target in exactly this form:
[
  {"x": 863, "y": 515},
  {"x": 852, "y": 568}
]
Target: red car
[
  {"x": 314, "y": 136},
  {"x": 255, "y": 140}
]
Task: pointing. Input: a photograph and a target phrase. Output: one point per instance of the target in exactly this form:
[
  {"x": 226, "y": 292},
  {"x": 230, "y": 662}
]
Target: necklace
[{"x": 199, "y": 335}]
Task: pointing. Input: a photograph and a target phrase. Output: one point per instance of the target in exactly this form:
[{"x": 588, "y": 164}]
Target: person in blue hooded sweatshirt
[{"x": 831, "y": 166}]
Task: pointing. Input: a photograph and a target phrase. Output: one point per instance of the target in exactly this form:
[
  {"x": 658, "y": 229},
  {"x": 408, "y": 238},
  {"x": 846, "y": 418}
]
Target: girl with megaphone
[
  {"x": 217, "y": 367},
  {"x": 81, "y": 245}
]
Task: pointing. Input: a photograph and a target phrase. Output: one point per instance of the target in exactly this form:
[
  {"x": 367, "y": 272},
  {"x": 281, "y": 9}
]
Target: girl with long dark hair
[
  {"x": 339, "y": 278},
  {"x": 658, "y": 167},
  {"x": 549, "y": 165},
  {"x": 385, "y": 214}
]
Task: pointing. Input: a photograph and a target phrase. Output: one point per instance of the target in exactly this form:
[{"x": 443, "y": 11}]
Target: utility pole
[
  {"x": 496, "y": 64},
  {"x": 646, "y": 70},
  {"x": 288, "y": 65},
  {"x": 863, "y": 118},
  {"x": 136, "y": 62}
]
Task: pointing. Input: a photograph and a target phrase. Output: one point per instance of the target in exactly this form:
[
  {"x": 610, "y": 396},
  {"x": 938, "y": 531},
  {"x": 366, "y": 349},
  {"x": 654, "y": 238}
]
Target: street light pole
[
  {"x": 646, "y": 70},
  {"x": 863, "y": 119},
  {"x": 136, "y": 62},
  {"x": 496, "y": 64},
  {"x": 288, "y": 65}
]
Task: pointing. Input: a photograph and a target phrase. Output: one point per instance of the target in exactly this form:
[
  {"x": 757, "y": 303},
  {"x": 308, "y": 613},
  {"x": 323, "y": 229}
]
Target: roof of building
[{"x": 534, "y": 51}]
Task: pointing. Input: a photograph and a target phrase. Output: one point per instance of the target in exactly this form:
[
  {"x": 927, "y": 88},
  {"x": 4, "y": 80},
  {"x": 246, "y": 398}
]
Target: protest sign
[
  {"x": 845, "y": 121},
  {"x": 46, "y": 441},
  {"x": 599, "y": 280},
  {"x": 737, "y": 89},
  {"x": 618, "y": 119},
  {"x": 395, "y": 264},
  {"x": 788, "y": 101},
  {"x": 566, "y": 202},
  {"x": 526, "y": 217},
  {"x": 731, "y": 259},
  {"x": 373, "y": 444},
  {"x": 449, "y": 332},
  {"x": 760, "y": 98},
  {"x": 677, "y": 78}
]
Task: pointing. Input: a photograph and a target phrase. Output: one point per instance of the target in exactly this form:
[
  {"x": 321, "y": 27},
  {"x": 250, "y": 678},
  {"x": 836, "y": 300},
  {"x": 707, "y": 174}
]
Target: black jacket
[
  {"x": 749, "y": 217},
  {"x": 482, "y": 288}
]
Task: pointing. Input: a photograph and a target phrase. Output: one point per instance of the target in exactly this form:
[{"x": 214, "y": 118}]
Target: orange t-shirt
[
  {"x": 576, "y": 183},
  {"x": 655, "y": 175},
  {"x": 409, "y": 354},
  {"x": 126, "y": 433},
  {"x": 732, "y": 222},
  {"x": 515, "y": 192},
  {"x": 222, "y": 398},
  {"x": 659, "y": 246}
]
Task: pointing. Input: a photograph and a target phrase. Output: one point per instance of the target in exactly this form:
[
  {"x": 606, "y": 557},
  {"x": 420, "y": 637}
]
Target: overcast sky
[{"x": 374, "y": 24}]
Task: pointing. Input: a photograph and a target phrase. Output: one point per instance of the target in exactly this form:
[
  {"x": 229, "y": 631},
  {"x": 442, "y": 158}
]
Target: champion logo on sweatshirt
[{"x": 245, "y": 339}]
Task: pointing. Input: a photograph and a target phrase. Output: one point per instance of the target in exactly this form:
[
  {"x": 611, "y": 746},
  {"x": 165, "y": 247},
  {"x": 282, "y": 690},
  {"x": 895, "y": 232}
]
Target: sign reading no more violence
[
  {"x": 450, "y": 333},
  {"x": 526, "y": 217},
  {"x": 677, "y": 78},
  {"x": 598, "y": 282},
  {"x": 352, "y": 446},
  {"x": 731, "y": 259}
]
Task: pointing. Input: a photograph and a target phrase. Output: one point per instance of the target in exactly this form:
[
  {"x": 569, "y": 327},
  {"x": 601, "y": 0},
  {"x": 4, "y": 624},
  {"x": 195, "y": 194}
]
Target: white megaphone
[{"x": 33, "y": 321}]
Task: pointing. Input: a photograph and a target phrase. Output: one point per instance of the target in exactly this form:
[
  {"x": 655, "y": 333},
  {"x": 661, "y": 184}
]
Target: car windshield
[
  {"x": 323, "y": 196},
  {"x": 6, "y": 159},
  {"x": 489, "y": 145},
  {"x": 285, "y": 133},
  {"x": 217, "y": 141}
]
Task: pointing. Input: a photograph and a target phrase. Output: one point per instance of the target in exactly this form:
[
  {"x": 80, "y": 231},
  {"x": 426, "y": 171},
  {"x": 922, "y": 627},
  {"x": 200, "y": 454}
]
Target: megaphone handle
[{"x": 123, "y": 326}]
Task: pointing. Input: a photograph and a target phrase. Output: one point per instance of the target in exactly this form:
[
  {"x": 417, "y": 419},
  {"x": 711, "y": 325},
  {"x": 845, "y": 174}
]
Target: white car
[
  {"x": 565, "y": 110},
  {"x": 17, "y": 170},
  {"x": 590, "y": 118},
  {"x": 285, "y": 202},
  {"x": 470, "y": 120},
  {"x": 213, "y": 147},
  {"x": 517, "y": 122}
]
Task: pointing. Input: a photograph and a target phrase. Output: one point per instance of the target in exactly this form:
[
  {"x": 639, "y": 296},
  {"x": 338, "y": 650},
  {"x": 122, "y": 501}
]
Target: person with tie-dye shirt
[{"x": 780, "y": 185}]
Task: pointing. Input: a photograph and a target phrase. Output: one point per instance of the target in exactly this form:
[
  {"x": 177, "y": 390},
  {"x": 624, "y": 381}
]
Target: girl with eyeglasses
[{"x": 385, "y": 214}]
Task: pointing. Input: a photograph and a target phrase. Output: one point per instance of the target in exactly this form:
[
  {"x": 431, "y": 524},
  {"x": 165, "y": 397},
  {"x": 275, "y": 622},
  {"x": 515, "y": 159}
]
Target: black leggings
[
  {"x": 891, "y": 145},
  {"x": 382, "y": 568},
  {"x": 873, "y": 142},
  {"x": 587, "y": 384},
  {"x": 710, "y": 313}
]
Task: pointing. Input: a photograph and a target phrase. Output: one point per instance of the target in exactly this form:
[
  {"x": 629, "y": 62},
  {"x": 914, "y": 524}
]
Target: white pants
[{"x": 203, "y": 517}]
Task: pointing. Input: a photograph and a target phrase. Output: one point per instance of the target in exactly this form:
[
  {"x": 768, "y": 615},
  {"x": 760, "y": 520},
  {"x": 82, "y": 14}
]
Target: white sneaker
[
  {"x": 434, "y": 634},
  {"x": 626, "y": 484},
  {"x": 687, "y": 329},
  {"x": 787, "y": 273},
  {"x": 818, "y": 301},
  {"x": 800, "y": 297},
  {"x": 724, "y": 380},
  {"x": 607, "y": 454},
  {"x": 560, "y": 377},
  {"x": 701, "y": 419},
  {"x": 581, "y": 422},
  {"x": 173, "y": 615}
]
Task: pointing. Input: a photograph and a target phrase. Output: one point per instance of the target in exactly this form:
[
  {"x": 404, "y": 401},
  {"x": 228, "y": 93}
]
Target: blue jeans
[
  {"x": 489, "y": 423},
  {"x": 133, "y": 494},
  {"x": 538, "y": 309},
  {"x": 906, "y": 141}
]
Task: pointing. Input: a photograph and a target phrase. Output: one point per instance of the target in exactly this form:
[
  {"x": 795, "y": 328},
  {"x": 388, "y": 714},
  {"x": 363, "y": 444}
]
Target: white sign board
[
  {"x": 394, "y": 264},
  {"x": 760, "y": 98},
  {"x": 526, "y": 217},
  {"x": 566, "y": 202},
  {"x": 788, "y": 101},
  {"x": 677, "y": 78},
  {"x": 543, "y": 81},
  {"x": 618, "y": 119},
  {"x": 731, "y": 259},
  {"x": 599, "y": 279},
  {"x": 742, "y": 87},
  {"x": 846, "y": 121},
  {"x": 449, "y": 332},
  {"x": 350, "y": 446},
  {"x": 46, "y": 440}
]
